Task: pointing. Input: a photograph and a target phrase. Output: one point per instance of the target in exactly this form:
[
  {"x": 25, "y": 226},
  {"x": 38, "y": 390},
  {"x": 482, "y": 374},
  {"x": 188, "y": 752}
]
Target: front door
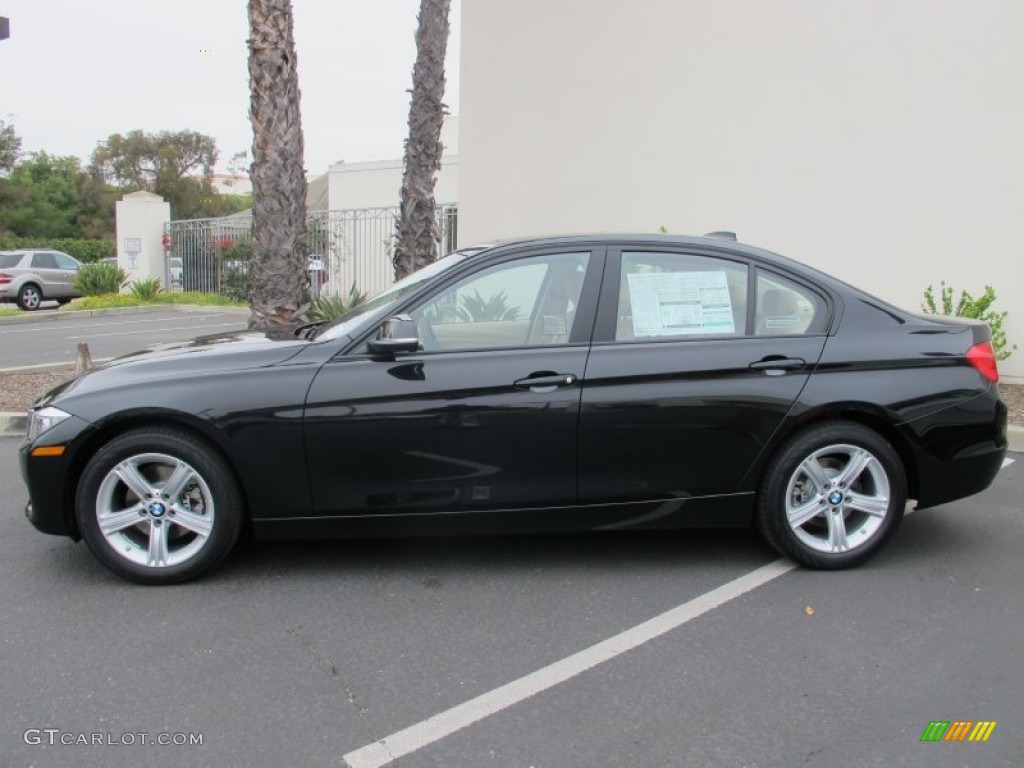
[{"x": 484, "y": 417}]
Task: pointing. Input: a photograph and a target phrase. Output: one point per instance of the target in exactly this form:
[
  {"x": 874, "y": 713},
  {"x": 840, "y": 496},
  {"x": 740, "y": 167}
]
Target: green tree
[
  {"x": 10, "y": 148},
  {"x": 416, "y": 232},
  {"x": 177, "y": 165},
  {"x": 280, "y": 282},
  {"x": 41, "y": 197},
  {"x": 49, "y": 196}
]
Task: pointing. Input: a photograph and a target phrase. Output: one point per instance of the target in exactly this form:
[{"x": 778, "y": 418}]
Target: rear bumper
[{"x": 958, "y": 451}]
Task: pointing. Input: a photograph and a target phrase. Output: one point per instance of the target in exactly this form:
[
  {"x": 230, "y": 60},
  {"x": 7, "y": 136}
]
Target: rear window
[{"x": 9, "y": 260}]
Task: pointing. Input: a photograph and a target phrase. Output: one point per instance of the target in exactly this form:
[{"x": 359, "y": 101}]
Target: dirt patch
[
  {"x": 1013, "y": 396},
  {"x": 19, "y": 390}
]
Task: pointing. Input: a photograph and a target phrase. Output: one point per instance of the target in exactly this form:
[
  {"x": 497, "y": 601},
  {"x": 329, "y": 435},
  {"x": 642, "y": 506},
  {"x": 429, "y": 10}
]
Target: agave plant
[
  {"x": 145, "y": 290},
  {"x": 99, "y": 278},
  {"x": 477, "y": 309},
  {"x": 331, "y": 307}
]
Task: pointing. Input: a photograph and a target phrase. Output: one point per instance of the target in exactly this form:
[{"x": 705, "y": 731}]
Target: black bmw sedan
[{"x": 560, "y": 384}]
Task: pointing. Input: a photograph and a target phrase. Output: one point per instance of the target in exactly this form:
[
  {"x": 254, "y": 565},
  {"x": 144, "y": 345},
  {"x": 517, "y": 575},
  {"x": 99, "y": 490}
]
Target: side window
[
  {"x": 528, "y": 302},
  {"x": 785, "y": 308},
  {"x": 680, "y": 295},
  {"x": 65, "y": 262},
  {"x": 43, "y": 261}
]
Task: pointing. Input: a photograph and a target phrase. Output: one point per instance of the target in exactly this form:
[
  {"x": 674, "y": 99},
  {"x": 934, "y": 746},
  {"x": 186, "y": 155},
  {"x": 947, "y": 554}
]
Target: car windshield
[{"x": 381, "y": 305}]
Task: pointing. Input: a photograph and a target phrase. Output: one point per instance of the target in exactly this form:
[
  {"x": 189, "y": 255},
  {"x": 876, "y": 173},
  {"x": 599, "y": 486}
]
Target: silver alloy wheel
[
  {"x": 30, "y": 297},
  {"x": 837, "y": 498},
  {"x": 155, "y": 510}
]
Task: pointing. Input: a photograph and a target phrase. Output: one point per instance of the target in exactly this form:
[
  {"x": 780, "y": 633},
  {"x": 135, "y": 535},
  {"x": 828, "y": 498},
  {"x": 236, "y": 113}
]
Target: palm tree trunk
[
  {"x": 280, "y": 283},
  {"x": 416, "y": 231}
]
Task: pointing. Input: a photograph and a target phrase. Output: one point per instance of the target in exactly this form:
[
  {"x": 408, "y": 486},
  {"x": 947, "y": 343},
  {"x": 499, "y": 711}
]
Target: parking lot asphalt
[
  {"x": 56, "y": 340},
  {"x": 303, "y": 653}
]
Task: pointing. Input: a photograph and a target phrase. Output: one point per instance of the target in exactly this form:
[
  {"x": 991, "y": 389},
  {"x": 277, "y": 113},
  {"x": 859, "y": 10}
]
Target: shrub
[
  {"x": 235, "y": 283},
  {"x": 146, "y": 290},
  {"x": 100, "y": 278},
  {"x": 333, "y": 307},
  {"x": 977, "y": 308}
]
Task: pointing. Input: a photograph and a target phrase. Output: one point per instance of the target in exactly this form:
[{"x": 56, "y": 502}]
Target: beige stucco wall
[{"x": 880, "y": 140}]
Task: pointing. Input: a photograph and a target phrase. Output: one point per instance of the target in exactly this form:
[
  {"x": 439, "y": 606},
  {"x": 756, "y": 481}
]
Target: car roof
[{"x": 717, "y": 241}]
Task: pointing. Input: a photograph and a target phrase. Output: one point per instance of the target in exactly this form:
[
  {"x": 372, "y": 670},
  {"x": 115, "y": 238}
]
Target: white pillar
[{"x": 141, "y": 217}]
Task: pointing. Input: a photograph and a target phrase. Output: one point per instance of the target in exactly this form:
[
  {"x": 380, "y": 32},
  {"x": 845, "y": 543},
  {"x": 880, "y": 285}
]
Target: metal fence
[{"x": 347, "y": 248}]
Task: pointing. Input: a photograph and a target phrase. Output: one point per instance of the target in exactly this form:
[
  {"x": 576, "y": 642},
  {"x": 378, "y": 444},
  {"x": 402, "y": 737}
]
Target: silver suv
[{"x": 31, "y": 277}]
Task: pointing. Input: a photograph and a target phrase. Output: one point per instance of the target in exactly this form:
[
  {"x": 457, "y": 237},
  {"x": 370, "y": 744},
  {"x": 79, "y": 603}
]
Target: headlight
[{"x": 44, "y": 419}]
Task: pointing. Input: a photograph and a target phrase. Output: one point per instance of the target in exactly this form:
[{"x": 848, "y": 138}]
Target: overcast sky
[{"x": 75, "y": 71}]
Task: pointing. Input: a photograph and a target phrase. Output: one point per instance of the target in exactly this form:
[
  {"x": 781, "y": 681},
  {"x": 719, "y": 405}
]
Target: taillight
[
  {"x": 983, "y": 358},
  {"x": 5, "y": 279}
]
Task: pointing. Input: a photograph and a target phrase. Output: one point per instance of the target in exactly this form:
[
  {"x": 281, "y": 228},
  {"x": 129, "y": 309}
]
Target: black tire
[
  {"x": 199, "y": 524},
  {"x": 841, "y": 505},
  {"x": 30, "y": 297}
]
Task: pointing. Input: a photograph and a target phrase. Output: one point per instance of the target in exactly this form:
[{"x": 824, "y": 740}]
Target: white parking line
[
  {"x": 389, "y": 749},
  {"x": 1007, "y": 462}
]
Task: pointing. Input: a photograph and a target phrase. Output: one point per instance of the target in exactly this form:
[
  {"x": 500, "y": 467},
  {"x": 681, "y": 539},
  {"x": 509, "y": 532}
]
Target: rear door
[
  {"x": 68, "y": 268},
  {"x": 44, "y": 266},
  {"x": 696, "y": 359}
]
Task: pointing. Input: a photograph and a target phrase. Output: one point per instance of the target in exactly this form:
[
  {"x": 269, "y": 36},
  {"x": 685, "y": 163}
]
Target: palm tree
[
  {"x": 416, "y": 231},
  {"x": 280, "y": 283}
]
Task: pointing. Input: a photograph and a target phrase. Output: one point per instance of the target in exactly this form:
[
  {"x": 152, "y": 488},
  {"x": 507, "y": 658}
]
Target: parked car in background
[
  {"x": 30, "y": 277},
  {"x": 560, "y": 384}
]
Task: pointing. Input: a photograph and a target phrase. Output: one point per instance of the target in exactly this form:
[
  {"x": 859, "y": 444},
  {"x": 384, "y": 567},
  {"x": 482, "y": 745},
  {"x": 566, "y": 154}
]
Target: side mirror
[{"x": 396, "y": 334}]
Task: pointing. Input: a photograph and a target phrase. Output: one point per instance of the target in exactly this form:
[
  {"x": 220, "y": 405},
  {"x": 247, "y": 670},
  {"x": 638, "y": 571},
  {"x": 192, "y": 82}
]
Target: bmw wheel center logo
[
  {"x": 835, "y": 498},
  {"x": 156, "y": 509}
]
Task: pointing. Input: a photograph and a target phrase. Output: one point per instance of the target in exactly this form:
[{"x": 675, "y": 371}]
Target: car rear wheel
[
  {"x": 158, "y": 506},
  {"x": 30, "y": 297},
  {"x": 832, "y": 496}
]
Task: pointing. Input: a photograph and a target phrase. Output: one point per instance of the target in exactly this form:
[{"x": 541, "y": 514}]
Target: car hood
[{"x": 217, "y": 353}]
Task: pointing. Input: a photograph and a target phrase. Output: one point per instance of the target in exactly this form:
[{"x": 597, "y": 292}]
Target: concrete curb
[
  {"x": 41, "y": 316},
  {"x": 15, "y": 424}
]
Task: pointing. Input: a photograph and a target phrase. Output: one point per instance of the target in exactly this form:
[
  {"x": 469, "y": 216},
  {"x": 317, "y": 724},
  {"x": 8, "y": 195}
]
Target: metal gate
[{"x": 347, "y": 248}]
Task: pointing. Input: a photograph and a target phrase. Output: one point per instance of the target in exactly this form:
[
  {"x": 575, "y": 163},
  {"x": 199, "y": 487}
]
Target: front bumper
[{"x": 51, "y": 480}]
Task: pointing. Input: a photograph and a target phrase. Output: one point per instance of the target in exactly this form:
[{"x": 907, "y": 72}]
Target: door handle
[
  {"x": 776, "y": 365},
  {"x": 546, "y": 382}
]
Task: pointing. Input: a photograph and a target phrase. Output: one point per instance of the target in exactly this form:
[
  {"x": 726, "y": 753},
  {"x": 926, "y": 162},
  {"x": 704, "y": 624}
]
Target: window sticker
[
  {"x": 681, "y": 304},
  {"x": 782, "y": 321}
]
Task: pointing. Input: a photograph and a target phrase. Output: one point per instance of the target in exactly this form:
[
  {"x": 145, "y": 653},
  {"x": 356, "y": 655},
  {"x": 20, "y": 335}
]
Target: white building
[
  {"x": 881, "y": 141},
  {"x": 378, "y": 184}
]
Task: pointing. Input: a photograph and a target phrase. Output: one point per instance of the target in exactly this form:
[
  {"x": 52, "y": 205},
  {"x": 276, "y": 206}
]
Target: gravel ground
[{"x": 19, "y": 390}]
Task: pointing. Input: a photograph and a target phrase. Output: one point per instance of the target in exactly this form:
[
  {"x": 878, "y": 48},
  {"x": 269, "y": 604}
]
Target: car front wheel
[
  {"x": 832, "y": 496},
  {"x": 30, "y": 297},
  {"x": 158, "y": 506}
]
